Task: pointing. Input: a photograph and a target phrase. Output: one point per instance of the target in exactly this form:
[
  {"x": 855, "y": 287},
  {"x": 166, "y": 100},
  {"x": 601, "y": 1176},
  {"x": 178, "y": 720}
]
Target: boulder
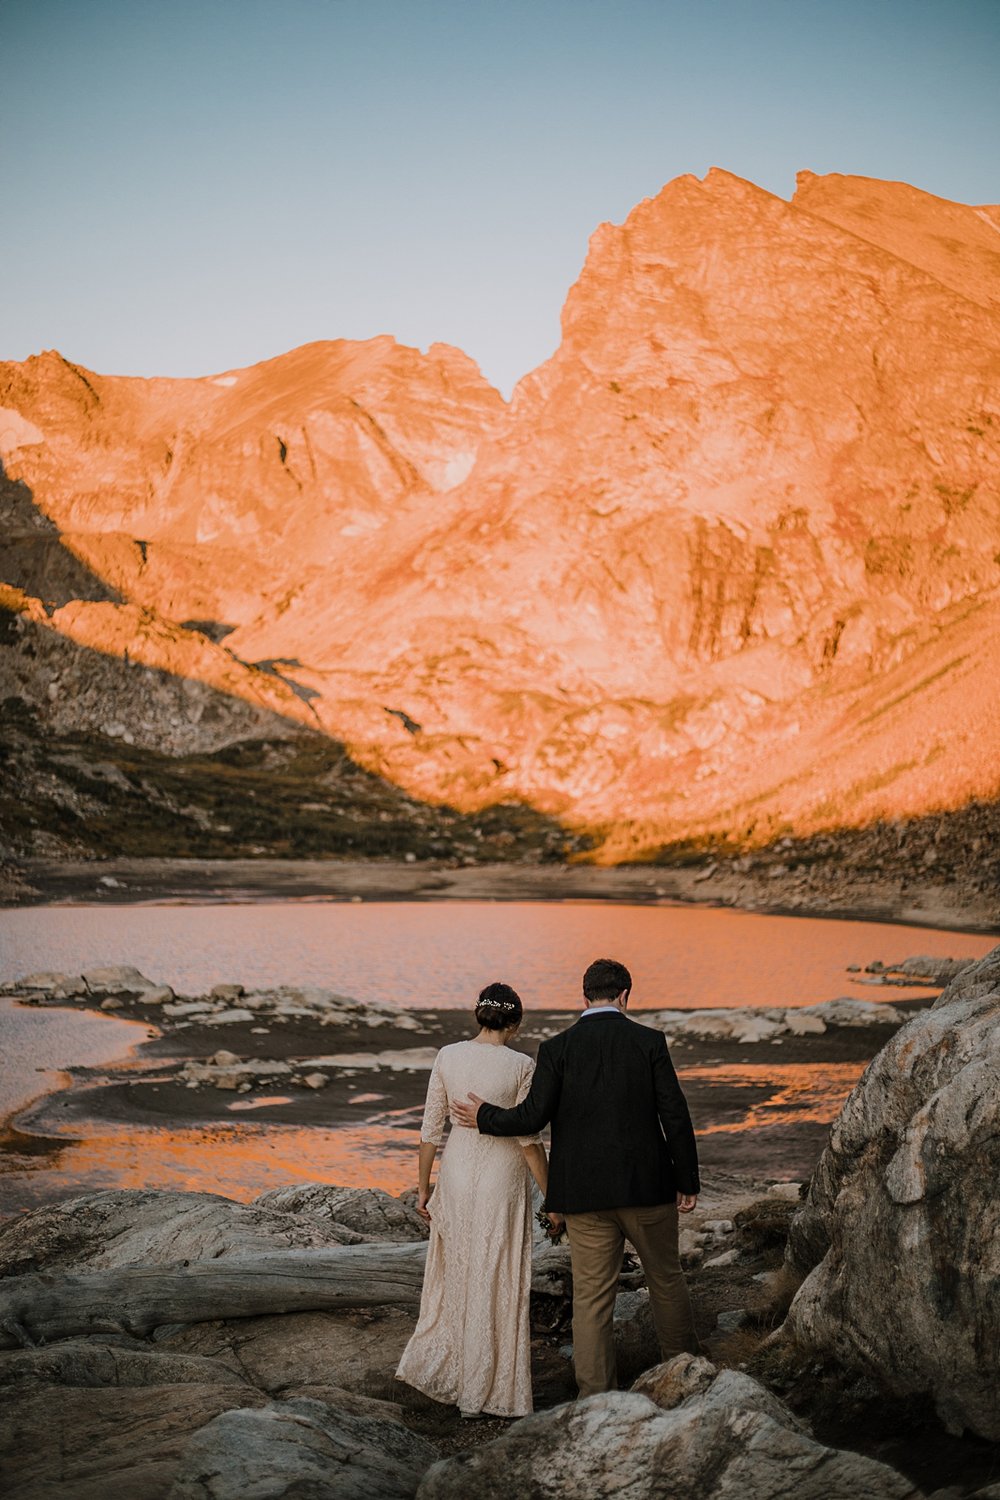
[
  {"x": 636, "y": 1346},
  {"x": 368, "y": 1211},
  {"x": 149, "y": 1227},
  {"x": 160, "y": 994},
  {"x": 976, "y": 981},
  {"x": 114, "y": 979},
  {"x": 58, "y": 985},
  {"x": 804, "y": 1022},
  {"x": 356, "y": 1351},
  {"x": 109, "y": 1361},
  {"x": 934, "y": 970},
  {"x": 89, "y": 1442},
  {"x": 721, "y": 1437},
  {"x": 301, "y": 1448},
  {"x": 846, "y": 1011},
  {"x": 900, "y": 1233}
]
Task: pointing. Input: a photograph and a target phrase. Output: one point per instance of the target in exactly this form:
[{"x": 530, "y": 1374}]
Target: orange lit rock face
[{"x": 731, "y": 556}]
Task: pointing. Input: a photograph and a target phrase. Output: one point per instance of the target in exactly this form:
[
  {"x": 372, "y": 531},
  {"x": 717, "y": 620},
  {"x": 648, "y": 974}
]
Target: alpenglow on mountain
[{"x": 727, "y": 563}]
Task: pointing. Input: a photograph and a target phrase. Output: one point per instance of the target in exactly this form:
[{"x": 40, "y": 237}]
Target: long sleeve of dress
[
  {"x": 523, "y": 1089},
  {"x": 435, "y": 1107}
]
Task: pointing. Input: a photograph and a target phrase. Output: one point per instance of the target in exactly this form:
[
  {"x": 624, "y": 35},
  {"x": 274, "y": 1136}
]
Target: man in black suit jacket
[{"x": 623, "y": 1163}]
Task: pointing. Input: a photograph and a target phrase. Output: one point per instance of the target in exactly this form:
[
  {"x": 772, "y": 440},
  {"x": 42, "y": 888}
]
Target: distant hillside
[{"x": 726, "y": 567}]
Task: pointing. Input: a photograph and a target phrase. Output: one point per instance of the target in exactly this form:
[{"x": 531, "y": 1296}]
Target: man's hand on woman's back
[{"x": 465, "y": 1111}]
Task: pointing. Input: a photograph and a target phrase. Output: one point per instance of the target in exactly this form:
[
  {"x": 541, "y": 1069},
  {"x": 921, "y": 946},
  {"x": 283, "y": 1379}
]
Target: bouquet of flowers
[{"x": 551, "y": 1232}]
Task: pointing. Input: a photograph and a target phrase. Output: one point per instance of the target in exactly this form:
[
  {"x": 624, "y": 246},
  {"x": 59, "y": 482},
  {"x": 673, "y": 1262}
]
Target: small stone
[
  {"x": 161, "y": 995},
  {"x": 223, "y": 1059},
  {"x": 229, "y": 1017},
  {"x": 727, "y": 1258},
  {"x": 112, "y": 1003},
  {"x": 227, "y": 992},
  {"x": 315, "y": 1080},
  {"x": 733, "y": 1318}
]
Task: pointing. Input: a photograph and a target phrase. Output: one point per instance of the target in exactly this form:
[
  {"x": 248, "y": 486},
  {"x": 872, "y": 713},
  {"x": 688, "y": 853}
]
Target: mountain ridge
[{"x": 756, "y": 480}]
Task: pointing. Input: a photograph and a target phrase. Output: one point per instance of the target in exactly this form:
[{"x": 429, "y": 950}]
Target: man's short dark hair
[{"x": 605, "y": 980}]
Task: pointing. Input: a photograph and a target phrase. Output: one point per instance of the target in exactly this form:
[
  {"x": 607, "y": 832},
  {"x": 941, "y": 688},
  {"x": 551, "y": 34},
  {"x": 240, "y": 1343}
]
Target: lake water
[
  {"x": 37, "y": 1045},
  {"x": 421, "y": 955},
  {"x": 440, "y": 955}
]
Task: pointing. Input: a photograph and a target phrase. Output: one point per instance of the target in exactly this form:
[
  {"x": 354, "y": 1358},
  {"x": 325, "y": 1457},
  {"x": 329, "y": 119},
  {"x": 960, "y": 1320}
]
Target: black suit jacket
[{"x": 621, "y": 1132}]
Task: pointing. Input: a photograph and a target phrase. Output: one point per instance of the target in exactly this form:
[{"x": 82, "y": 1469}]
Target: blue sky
[{"x": 190, "y": 187}]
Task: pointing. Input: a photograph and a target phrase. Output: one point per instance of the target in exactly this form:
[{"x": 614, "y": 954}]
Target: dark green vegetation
[
  {"x": 961, "y": 847},
  {"x": 295, "y": 798}
]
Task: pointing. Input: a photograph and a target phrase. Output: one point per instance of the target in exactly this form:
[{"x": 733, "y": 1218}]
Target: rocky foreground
[{"x": 184, "y": 1345}]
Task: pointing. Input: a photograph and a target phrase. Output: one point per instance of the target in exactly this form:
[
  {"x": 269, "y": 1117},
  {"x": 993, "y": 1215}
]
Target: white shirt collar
[{"x": 597, "y": 1010}]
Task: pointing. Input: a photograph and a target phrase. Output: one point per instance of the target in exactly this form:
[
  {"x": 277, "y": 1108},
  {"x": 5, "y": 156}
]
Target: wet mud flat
[{"x": 761, "y": 1109}]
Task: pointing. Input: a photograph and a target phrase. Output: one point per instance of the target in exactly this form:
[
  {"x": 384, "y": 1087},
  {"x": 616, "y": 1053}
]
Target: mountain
[{"x": 727, "y": 566}]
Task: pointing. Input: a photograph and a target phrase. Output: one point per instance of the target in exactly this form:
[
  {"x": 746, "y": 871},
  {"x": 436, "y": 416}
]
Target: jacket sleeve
[
  {"x": 671, "y": 1106},
  {"x": 534, "y": 1112}
]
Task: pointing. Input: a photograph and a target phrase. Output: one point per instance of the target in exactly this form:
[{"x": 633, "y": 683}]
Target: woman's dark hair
[{"x": 499, "y": 1007}]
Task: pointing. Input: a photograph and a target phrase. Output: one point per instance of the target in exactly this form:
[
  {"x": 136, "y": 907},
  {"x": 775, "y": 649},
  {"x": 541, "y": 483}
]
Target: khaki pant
[{"x": 597, "y": 1244}]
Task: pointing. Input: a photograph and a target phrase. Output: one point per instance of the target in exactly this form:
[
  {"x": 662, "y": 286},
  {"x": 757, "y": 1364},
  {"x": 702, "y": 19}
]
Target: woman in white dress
[{"x": 472, "y": 1344}]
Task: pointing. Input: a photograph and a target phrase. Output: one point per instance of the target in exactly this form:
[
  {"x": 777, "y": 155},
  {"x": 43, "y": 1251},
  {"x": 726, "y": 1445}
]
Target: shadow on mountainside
[
  {"x": 34, "y": 556},
  {"x": 83, "y": 772}
]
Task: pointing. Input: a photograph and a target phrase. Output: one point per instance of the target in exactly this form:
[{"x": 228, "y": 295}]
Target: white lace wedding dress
[{"x": 471, "y": 1345}]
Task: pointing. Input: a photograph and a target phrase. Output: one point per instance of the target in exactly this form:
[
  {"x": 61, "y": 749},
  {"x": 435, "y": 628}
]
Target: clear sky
[{"x": 194, "y": 185}]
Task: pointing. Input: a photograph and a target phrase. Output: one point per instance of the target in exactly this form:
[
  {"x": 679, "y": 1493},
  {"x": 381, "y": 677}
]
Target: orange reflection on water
[
  {"x": 798, "y": 1093},
  {"x": 242, "y": 1160},
  {"x": 238, "y": 1161}
]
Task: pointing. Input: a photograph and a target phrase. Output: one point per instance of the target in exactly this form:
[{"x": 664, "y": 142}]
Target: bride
[{"x": 471, "y": 1345}]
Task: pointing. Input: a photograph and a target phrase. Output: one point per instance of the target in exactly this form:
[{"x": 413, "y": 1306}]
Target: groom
[{"x": 623, "y": 1164}]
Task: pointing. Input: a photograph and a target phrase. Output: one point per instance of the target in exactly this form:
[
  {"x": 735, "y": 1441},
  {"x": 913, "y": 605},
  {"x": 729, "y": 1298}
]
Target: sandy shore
[{"x": 768, "y": 887}]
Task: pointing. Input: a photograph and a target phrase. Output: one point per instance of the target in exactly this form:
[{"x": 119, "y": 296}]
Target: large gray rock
[
  {"x": 304, "y": 1449},
  {"x": 109, "y": 1361},
  {"x": 900, "y": 1233},
  {"x": 636, "y": 1344},
  {"x": 368, "y": 1211},
  {"x": 90, "y": 1442},
  {"x": 724, "y": 1438},
  {"x": 974, "y": 981},
  {"x": 151, "y": 1227},
  {"x": 357, "y": 1351}
]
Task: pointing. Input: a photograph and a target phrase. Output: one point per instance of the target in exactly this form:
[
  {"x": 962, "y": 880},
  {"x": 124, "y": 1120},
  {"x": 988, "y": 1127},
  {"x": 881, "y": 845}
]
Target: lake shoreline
[
  {"x": 767, "y": 888},
  {"x": 138, "y": 1115}
]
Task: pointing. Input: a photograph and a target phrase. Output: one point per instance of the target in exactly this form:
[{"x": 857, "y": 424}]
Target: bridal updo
[{"x": 499, "y": 1007}]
